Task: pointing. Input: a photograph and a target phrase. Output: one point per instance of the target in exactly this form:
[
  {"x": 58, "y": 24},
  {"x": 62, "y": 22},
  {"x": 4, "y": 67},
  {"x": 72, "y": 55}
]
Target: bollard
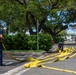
[{"x": 1, "y": 56}]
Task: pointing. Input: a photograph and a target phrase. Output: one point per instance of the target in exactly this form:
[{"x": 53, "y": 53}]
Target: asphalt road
[
  {"x": 10, "y": 64},
  {"x": 69, "y": 64}
]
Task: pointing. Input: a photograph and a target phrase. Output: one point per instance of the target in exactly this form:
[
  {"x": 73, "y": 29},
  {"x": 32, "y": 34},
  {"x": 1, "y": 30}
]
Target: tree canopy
[{"x": 23, "y": 15}]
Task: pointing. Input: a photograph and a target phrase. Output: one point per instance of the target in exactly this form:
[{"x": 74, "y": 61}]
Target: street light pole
[{"x": 75, "y": 35}]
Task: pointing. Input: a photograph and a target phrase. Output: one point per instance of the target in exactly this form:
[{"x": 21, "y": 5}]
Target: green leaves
[{"x": 14, "y": 13}]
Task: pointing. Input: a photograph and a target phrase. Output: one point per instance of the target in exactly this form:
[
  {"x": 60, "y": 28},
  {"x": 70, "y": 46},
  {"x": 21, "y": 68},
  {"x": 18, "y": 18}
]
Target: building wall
[{"x": 70, "y": 37}]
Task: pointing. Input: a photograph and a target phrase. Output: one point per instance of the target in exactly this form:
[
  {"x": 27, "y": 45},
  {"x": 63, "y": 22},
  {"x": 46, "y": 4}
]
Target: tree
[
  {"x": 38, "y": 11},
  {"x": 71, "y": 13},
  {"x": 56, "y": 23},
  {"x": 30, "y": 13},
  {"x": 13, "y": 14}
]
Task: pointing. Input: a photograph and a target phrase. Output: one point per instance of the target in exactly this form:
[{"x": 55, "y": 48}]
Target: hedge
[{"x": 22, "y": 41}]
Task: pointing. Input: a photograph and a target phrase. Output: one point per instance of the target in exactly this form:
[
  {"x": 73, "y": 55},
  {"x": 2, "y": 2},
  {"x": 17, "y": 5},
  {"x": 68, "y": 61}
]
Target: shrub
[
  {"x": 21, "y": 41},
  {"x": 45, "y": 41},
  {"x": 58, "y": 39},
  {"x": 32, "y": 42},
  {"x": 14, "y": 42}
]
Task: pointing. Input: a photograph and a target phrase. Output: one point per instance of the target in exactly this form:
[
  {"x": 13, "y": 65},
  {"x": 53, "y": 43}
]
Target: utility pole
[{"x": 37, "y": 35}]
